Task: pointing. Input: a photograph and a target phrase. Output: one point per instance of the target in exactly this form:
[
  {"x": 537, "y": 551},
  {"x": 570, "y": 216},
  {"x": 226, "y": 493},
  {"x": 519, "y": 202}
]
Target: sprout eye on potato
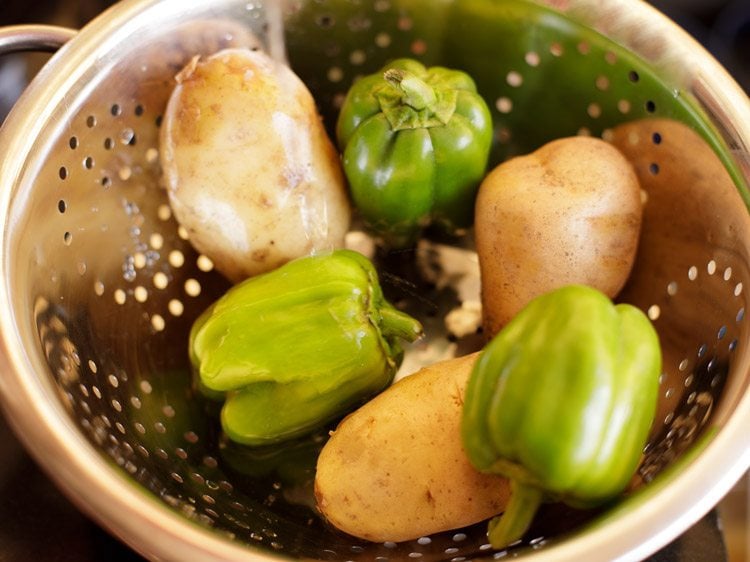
[{"x": 249, "y": 169}]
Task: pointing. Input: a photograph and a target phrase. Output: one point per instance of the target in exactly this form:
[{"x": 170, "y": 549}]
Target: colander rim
[{"x": 105, "y": 492}]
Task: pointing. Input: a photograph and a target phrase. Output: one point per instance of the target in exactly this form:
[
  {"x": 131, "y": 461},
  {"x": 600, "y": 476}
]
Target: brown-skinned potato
[
  {"x": 250, "y": 171},
  {"x": 396, "y": 470},
  {"x": 567, "y": 213}
]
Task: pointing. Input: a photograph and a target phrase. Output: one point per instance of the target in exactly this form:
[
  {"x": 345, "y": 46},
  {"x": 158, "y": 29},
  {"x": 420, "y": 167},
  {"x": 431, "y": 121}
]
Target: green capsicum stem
[
  {"x": 516, "y": 519},
  {"x": 414, "y": 91},
  {"x": 409, "y": 102},
  {"x": 396, "y": 324}
]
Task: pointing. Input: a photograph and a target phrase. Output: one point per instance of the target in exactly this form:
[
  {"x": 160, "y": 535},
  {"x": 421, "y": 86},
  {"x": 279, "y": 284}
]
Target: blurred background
[{"x": 38, "y": 523}]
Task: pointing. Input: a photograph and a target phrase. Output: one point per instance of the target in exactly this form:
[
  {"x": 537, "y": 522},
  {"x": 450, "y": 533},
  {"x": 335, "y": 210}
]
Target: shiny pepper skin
[
  {"x": 294, "y": 348},
  {"x": 561, "y": 402},
  {"x": 415, "y": 145}
]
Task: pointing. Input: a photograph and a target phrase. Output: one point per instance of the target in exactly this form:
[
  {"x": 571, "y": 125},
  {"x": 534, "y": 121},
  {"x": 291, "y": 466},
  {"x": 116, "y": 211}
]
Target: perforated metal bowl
[{"x": 100, "y": 285}]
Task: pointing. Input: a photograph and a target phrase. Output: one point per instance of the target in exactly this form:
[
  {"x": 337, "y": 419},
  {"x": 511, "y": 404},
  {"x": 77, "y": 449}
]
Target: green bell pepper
[
  {"x": 352, "y": 38},
  {"x": 296, "y": 347},
  {"x": 561, "y": 402},
  {"x": 415, "y": 145}
]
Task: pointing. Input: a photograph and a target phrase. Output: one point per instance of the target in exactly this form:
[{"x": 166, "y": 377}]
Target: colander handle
[{"x": 32, "y": 37}]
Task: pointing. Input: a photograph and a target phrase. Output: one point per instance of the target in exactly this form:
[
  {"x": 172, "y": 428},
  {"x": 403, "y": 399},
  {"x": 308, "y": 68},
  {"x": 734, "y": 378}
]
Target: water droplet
[{"x": 127, "y": 135}]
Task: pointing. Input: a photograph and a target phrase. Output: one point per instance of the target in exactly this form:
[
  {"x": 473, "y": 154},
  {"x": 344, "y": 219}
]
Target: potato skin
[
  {"x": 567, "y": 213},
  {"x": 249, "y": 169},
  {"x": 396, "y": 470}
]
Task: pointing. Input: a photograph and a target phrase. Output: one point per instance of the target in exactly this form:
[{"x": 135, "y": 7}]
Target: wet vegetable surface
[
  {"x": 415, "y": 144},
  {"x": 292, "y": 349},
  {"x": 561, "y": 402}
]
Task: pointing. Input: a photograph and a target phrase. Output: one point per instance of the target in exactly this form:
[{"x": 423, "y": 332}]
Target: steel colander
[{"x": 100, "y": 284}]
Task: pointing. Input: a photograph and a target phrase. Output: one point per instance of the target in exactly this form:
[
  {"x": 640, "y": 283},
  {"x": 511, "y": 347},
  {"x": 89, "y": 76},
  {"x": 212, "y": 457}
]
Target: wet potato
[
  {"x": 250, "y": 171},
  {"x": 396, "y": 469},
  {"x": 569, "y": 213}
]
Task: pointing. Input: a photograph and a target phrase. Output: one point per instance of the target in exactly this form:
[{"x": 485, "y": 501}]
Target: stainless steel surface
[
  {"x": 16, "y": 38},
  {"x": 100, "y": 286}
]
